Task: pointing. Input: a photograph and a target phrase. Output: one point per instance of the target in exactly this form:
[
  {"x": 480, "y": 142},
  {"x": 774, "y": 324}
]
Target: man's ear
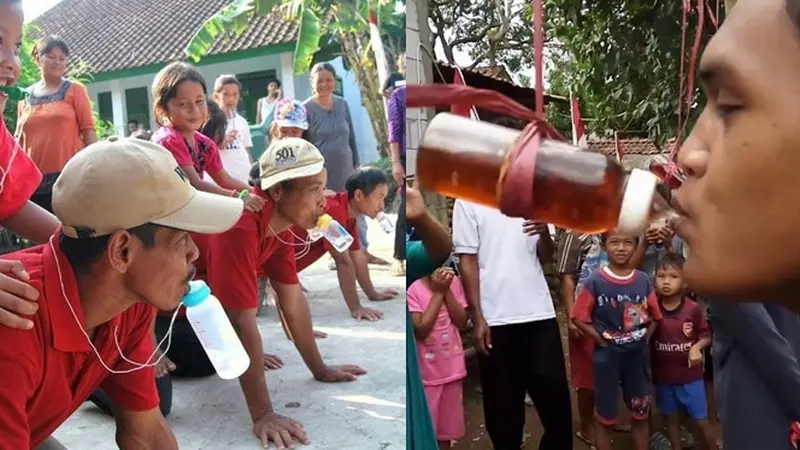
[
  {"x": 358, "y": 195},
  {"x": 120, "y": 251},
  {"x": 275, "y": 192}
]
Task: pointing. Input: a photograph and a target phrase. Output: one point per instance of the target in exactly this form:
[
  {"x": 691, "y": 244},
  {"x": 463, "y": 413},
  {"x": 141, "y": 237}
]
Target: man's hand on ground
[
  {"x": 282, "y": 430},
  {"x": 164, "y": 366},
  {"x": 336, "y": 374},
  {"x": 364, "y": 313},
  {"x": 272, "y": 362},
  {"x": 17, "y": 298},
  {"x": 383, "y": 294}
]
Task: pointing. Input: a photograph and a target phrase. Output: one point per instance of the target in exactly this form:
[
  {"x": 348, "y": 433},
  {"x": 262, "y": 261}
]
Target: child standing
[
  {"x": 181, "y": 108},
  {"x": 617, "y": 307},
  {"x": 235, "y": 149},
  {"x": 678, "y": 346},
  {"x": 438, "y": 310}
]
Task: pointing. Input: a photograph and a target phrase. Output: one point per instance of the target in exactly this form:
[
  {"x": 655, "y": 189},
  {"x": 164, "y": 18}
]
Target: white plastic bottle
[
  {"x": 215, "y": 332},
  {"x": 386, "y": 224},
  {"x": 334, "y": 232}
]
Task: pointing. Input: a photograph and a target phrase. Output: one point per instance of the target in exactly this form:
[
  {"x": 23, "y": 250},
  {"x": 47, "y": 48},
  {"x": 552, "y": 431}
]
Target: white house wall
[{"x": 295, "y": 86}]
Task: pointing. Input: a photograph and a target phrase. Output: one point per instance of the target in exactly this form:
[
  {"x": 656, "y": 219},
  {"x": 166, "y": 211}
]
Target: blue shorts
[
  {"x": 672, "y": 398},
  {"x": 628, "y": 368}
]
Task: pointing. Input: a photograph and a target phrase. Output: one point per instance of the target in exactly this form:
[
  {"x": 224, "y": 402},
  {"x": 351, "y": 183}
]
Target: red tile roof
[
  {"x": 640, "y": 147},
  {"x": 112, "y": 35}
]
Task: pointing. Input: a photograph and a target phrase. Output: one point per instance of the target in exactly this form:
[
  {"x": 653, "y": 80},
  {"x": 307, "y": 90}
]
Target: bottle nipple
[
  {"x": 637, "y": 202},
  {"x": 324, "y": 220}
]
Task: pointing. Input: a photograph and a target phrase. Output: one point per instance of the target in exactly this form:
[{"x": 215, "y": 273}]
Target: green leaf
[
  {"x": 231, "y": 18},
  {"x": 310, "y": 32},
  {"x": 264, "y": 7}
]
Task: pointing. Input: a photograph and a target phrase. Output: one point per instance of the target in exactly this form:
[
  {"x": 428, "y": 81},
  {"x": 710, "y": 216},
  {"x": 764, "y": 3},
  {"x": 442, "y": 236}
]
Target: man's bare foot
[
  {"x": 372, "y": 259},
  {"x": 320, "y": 334}
]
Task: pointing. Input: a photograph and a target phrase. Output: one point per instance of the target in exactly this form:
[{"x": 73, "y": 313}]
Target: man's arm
[
  {"x": 298, "y": 319},
  {"x": 467, "y": 241},
  {"x": 33, "y": 222},
  {"x": 359, "y": 260},
  {"x": 143, "y": 430},
  {"x": 347, "y": 271},
  {"x": 765, "y": 349},
  {"x": 545, "y": 247},
  {"x": 252, "y": 381},
  {"x": 432, "y": 234}
]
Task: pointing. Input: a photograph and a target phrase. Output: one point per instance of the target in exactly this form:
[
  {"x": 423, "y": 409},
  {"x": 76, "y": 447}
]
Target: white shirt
[
  {"x": 513, "y": 288},
  {"x": 235, "y": 158}
]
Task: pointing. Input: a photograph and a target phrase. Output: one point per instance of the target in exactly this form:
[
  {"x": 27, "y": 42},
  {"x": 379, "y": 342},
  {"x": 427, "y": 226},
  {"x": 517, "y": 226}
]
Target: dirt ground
[{"x": 478, "y": 439}]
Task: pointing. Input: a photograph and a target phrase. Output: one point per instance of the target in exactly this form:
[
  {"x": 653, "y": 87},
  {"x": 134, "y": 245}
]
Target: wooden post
[{"x": 538, "y": 55}]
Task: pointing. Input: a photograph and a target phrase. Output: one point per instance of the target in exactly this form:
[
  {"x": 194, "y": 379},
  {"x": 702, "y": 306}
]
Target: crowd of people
[
  {"x": 124, "y": 224},
  {"x": 645, "y": 313}
]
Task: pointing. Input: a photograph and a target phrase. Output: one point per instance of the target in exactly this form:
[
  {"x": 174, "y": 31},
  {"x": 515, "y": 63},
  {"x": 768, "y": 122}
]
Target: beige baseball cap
[
  {"x": 119, "y": 184},
  {"x": 287, "y": 159}
]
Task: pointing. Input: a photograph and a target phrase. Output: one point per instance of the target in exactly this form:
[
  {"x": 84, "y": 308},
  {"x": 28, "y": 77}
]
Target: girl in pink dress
[{"x": 438, "y": 310}]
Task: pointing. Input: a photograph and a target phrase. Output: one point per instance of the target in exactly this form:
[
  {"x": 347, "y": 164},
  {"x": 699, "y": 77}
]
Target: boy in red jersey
[{"x": 677, "y": 353}]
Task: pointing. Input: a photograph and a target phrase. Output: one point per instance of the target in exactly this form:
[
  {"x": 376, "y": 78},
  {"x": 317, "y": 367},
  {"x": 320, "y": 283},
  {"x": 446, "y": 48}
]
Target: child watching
[
  {"x": 617, "y": 307},
  {"x": 237, "y": 145},
  {"x": 678, "y": 345},
  {"x": 181, "y": 108},
  {"x": 291, "y": 119},
  {"x": 438, "y": 310}
]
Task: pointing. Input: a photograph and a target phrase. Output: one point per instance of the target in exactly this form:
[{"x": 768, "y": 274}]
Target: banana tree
[{"x": 326, "y": 29}]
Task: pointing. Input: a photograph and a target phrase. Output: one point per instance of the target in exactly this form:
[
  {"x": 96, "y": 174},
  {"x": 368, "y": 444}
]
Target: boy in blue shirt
[{"x": 617, "y": 307}]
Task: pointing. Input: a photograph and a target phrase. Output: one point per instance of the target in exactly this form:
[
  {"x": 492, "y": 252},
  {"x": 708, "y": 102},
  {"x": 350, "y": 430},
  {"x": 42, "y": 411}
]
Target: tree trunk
[{"x": 354, "y": 45}]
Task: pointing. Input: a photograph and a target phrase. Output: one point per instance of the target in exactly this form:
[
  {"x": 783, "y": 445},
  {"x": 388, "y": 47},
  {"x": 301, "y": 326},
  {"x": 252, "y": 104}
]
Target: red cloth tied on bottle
[{"x": 516, "y": 183}]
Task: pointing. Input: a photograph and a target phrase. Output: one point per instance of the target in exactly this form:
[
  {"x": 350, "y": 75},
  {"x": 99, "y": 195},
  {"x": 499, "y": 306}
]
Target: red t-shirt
[
  {"x": 204, "y": 158},
  {"x": 677, "y": 332},
  {"x": 22, "y": 177},
  {"x": 337, "y": 206},
  {"x": 48, "y": 372},
  {"x": 229, "y": 261}
]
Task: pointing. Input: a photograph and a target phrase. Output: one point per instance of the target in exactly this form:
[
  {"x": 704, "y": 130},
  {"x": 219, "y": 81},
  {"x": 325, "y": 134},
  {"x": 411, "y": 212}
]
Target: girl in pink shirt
[{"x": 438, "y": 310}]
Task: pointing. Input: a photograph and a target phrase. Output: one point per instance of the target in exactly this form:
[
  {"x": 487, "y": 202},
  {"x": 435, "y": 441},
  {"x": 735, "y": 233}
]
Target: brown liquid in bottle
[{"x": 572, "y": 188}]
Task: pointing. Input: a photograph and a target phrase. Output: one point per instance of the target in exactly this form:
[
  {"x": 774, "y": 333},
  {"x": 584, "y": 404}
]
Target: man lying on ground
[
  {"x": 366, "y": 189},
  {"x": 292, "y": 183},
  {"x": 124, "y": 250}
]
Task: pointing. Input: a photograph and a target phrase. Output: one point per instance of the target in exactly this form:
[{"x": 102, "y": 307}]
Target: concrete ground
[{"x": 368, "y": 414}]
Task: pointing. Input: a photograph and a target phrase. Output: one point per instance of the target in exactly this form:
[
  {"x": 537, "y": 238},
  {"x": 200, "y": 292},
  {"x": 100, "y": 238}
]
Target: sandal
[{"x": 585, "y": 439}]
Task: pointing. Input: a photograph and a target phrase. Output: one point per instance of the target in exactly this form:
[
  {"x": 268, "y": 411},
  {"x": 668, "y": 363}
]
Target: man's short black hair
[
  {"x": 82, "y": 252},
  {"x": 671, "y": 261},
  {"x": 133, "y": 121},
  {"x": 365, "y": 179}
]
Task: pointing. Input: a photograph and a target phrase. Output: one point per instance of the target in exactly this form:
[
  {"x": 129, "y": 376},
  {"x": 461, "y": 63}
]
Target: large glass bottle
[{"x": 525, "y": 175}]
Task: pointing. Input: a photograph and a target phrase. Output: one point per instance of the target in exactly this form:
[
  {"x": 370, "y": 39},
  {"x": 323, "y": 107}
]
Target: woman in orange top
[{"x": 55, "y": 121}]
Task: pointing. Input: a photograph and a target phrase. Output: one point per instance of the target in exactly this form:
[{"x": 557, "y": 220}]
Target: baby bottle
[
  {"x": 333, "y": 231},
  {"x": 386, "y": 224},
  {"x": 215, "y": 332},
  {"x": 525, "y": 174}
]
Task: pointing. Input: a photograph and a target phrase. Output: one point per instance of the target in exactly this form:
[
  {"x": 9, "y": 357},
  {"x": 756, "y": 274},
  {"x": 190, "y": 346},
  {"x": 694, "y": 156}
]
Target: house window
[
  {"x": 339, "y": 89},
  {"x": 105, "y": 107},
  {"x": 254, "y": 87},
  {"x": 137, "y": 106}
]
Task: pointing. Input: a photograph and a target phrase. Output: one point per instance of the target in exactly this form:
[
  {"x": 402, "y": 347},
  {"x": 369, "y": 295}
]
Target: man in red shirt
[
  {"x": 292, "y": 182},
  {"x": 366, "y": 190},
  {"x": 123, "y": 251}
]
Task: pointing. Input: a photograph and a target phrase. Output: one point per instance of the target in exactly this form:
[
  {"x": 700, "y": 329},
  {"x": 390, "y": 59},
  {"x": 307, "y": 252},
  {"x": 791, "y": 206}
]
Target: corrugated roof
[
  {"x": 629, "y": 147},
  {"x": 113, "y": 35}
]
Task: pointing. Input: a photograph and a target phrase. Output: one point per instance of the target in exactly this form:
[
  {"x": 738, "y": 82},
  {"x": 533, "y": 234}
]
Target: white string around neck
[{"x": 137, "y": 365}]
